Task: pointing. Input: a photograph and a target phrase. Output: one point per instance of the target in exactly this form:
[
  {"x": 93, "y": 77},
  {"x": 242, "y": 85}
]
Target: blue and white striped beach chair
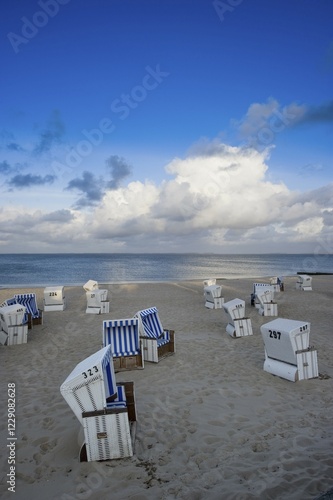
[
  {"x": 157, "y": 342},
  {"x": 123, "y": 335},
  {"x": 29, "y": 300}
]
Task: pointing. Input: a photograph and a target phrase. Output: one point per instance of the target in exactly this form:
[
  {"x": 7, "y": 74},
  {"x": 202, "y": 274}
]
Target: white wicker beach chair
[
  {"x": 92, "y": 383},
  {"x": 238, "y": 325},
  {"x": 123, "y": 336},
  {"x": 304, "y": 282},
  {"x": 287, "y": 350},
  {"x": 213, "y": 297},
  {"x": 54, "y": 298},
  {"x": 157, "y": 342}
]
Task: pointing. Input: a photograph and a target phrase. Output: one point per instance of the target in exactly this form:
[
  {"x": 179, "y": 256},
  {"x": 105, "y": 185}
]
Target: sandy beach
[{"x": 211, "y": 424}]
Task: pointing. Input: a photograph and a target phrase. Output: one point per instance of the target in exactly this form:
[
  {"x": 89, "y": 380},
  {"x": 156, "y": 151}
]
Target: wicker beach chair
[
  {"x": 123, "y": 336},
  {"x": 97, "y": 302},
  {"x": 157, "y": 342},
  {"x": 238, "y": 325},
  {"x": 29, "y": 300},
  {"x": 304, "y": 282},
  {"x": 287, "y": 350},
  {"x": 213, "y": 296},
  {"x": 54, "y": 298}
]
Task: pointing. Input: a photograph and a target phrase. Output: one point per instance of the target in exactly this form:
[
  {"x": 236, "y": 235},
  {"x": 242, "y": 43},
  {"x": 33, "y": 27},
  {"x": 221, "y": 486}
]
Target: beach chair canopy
[
  {"x": 283, "y": 337},
  {"x": 235, "y": 308},
  {"x": 151, "y": 325},
  {"x": 123, "y": 336},
  {"x": 91, "y": 384},
  {"x": 28, "y": 300},
  {"x": 13, "y": 314},
  {"x": 53, "y": 295},
  {"x": 264, "y": 296},
  {"x": 90, "y": 285}
]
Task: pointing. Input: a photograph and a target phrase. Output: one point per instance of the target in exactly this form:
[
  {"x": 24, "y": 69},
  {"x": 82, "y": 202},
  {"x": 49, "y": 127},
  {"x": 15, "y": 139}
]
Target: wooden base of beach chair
[
  {"x": 268, "y": 309},
  {"x": 240, "y": 328},
  {"x": 123, "y": 363},
  {"x": 110, "y": 434},
  {"x": 306, "y": 368},
  {"x": 107, "y": 435},
  {"x": 17, "y": 334},
  {"x": 307, "y": 364},
  {"x": 35, "y": 321}
]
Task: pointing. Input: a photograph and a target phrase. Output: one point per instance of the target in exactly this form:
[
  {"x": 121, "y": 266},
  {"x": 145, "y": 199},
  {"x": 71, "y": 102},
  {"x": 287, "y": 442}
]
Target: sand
[{"x": 211, "y": 424}]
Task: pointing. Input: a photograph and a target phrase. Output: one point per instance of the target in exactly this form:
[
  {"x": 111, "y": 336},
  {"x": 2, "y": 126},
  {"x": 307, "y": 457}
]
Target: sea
[{"x": 74, "y": 269}]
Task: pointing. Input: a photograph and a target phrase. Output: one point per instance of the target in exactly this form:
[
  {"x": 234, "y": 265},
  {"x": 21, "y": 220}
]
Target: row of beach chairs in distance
[{"x": 288, "y": 353}]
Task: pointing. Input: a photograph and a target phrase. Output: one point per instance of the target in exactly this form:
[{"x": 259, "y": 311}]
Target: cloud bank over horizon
[{"x": 218, "y": 198}]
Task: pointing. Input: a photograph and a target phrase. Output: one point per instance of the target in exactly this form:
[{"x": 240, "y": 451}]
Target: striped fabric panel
[
  {"x": 29, "y": 301},
  {"x": 151, "y": 322},
  {"x": 123, "y": 335},
  {"x": 120, "y": 401},
  {"x": 110, "y": 380}
]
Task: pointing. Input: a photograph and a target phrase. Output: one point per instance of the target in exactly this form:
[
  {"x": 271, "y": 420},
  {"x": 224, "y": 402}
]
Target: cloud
[
  {"x": 119, "y": 170},
  {"x": 91, "y": 188},
  {"x": 52, "y": 135},
  {"x": 28, "y": 180},
  {"x": 217, "y": 199},
  {"x": 5, "y": 167},
  {"x": 14, "y": 146},
  {"x": 59, "y": 216},
  {"x": 318, "y": 114},
  {"x": 263, "y": 121}
]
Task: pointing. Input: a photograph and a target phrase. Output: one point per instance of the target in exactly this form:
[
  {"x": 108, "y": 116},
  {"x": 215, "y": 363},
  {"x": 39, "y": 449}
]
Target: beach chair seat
[
  {"x": 34, "y": 314},
  {"x": 54, "y": 298},
  {"x": 288, "y": 353},
  {"x": 123, "y": 336},
  {"x": 91, "y": 384},
  {"x": 238, "y": 325},
  {"x": 157, "y": 342},
  {"x": 304, "y": 282},
  {"x": 213, "y": 296},
  {"x": 110, "y": 433}
]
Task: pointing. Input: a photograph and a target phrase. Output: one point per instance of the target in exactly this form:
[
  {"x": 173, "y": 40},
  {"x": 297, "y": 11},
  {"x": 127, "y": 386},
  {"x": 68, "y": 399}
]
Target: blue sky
[{"x": 169, "y": 126}]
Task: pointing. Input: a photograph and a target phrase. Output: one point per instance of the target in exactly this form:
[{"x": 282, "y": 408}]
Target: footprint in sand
[{"x": 48, "y": 423}]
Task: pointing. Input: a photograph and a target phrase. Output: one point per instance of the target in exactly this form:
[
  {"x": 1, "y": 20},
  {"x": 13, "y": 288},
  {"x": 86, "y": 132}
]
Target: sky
[{"x": 166, "y": 126}]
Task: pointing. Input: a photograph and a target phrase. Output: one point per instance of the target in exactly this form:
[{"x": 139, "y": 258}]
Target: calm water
[{"x": 76, "y": 269}]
